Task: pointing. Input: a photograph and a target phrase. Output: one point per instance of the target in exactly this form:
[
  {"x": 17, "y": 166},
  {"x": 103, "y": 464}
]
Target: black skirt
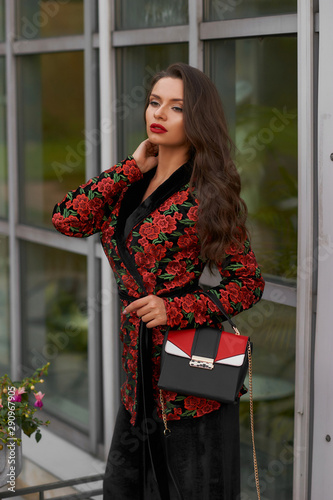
[{"x": 200, "y": 460}]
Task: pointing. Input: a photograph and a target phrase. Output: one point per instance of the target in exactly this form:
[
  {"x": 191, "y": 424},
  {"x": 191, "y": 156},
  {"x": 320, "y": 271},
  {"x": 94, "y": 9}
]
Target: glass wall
[
  {"x": 3, "y": 147},
  {"x": 135, "y": 68},
  {"x": 52, "y": 144},
  {"x": 46, "y": 18},
  {"x": 272, "y": 329},
  {"x": 49, "y": 125},
  {"x": 54, "y": 325},
  {"x": 218, "y": 10},
  {"x": 150, "y": 13},
  {"x": 257, "y": 81}
]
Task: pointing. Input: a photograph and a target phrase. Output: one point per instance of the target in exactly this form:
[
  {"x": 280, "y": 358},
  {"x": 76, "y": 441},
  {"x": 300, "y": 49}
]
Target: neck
[{"x": 169, "y": 161}]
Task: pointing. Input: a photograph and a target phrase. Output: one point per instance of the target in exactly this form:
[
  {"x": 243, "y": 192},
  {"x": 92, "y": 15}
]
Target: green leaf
[{"x": 38, "y": 436}]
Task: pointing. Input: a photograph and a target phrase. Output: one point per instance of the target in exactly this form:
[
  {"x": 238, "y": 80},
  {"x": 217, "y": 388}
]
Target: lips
[{"x": 157, "y": 129}]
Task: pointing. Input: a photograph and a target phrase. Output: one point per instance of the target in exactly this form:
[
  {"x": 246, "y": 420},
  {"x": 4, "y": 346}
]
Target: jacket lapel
[{"x": 132, "y": 211}]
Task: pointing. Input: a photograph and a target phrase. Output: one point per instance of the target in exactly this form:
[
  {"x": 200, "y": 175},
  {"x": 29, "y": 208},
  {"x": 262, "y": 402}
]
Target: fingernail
[{"x": 124, "y": 311}]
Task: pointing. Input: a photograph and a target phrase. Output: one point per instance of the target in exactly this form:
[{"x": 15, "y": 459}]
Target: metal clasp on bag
[{"x": 201, "y": 362}]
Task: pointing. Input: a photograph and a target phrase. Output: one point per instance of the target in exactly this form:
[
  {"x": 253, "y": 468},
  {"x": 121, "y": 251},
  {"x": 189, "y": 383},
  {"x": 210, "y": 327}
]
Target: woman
[{"x": 164, "y": 213}]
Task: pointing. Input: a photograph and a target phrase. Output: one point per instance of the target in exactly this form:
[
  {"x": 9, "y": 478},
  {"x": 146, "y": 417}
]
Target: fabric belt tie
[{"x": 145, "y": 395}]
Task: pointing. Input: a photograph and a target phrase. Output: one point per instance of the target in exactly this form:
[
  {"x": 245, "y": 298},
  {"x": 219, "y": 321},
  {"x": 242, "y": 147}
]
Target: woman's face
[{"x": 164, "y": 114}]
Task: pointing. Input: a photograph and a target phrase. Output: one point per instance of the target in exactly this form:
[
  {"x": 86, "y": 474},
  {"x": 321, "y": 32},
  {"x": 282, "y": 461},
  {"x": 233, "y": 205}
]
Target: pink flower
[
  {"x": 39, "y": 396},
  {"x": 1, "y": 403},
  {"x": 18, "y": 395}
]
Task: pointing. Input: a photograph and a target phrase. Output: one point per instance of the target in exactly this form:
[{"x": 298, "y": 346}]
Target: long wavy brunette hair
[{"x": 222, "y": 213}]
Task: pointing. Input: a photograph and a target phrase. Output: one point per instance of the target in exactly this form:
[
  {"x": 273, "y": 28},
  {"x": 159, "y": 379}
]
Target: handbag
[
  {"x": 208, "y": 362},
  {"x": 205, "y": 362}
]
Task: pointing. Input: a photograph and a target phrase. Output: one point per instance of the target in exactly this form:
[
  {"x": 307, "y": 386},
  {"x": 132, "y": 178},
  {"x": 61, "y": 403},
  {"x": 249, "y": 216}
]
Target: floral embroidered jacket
[{"x": 153, "y": 248}]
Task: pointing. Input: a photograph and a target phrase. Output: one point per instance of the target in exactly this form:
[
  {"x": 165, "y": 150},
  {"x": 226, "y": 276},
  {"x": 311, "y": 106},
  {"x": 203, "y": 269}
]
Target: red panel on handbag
[
  {"x": 231, "y": 345},
  {"x": 183, "y": 339},
  {"x": 231, "y": 349}
]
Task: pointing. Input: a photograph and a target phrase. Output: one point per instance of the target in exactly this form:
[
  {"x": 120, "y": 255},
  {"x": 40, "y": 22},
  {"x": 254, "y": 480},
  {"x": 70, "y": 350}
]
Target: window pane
[
  {"x": 217, "y": 10},
  {"x": 2, "y": 20},
  {"x": 4, "y": 306},
  {"x": 45, "y": 18},
  {"x": 257, "y": 81},
  {"x": 3, "y": 146},
  {"x": 54, "y": 319},
  {"x": 51, "y": 132},
  {"x": 135, "y": 68},
  {"x": 150, "y": 13},
  {"x": 272, "y": 329}
]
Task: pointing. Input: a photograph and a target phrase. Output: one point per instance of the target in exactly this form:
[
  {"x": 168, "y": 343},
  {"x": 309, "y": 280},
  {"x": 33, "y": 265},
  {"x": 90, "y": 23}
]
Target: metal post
[
  {"x": 322, "y": 478},
  {"x": 92, "y": 143},
  {"x": 110, "y": 309},
  {"x": 13, "y": 195},
  {"x": 195, "y": 44},
  {"x": 305, "y": 300}
]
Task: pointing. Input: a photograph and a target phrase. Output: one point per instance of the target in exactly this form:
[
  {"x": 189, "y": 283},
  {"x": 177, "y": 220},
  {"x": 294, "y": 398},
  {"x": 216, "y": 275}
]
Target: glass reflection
[
  {"x": 272, "y": 330},
  {"x": 150, "y": 13},
  {"x": 52, "y": 146},
  {"x": 3, "y": 145},
  {"x": 219, "y": 10},
  {"x": 135, "y": 68},
  {"x": 4, "y": 306},
  {"x": 46, "y": 18},
  {"x": 257, "y": 81},
  {"x": 54, "y": 294}
]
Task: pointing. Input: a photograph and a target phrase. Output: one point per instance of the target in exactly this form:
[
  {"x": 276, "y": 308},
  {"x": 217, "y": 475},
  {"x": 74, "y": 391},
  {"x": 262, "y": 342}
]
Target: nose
[{"x": 160, "y": 112}]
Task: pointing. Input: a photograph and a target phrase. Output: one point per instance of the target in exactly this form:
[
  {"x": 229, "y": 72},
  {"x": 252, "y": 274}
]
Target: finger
[
  {"x": 154, "y": 323},
  {"x": 135, "y": 305},
  {"x": 147, "y": 310}
]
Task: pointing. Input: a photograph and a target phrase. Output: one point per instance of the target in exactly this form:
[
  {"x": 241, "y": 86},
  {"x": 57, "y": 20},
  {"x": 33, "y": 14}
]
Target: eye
[
  {"x": 153, "y": 103},
  {"x": 178, "y": 109}
]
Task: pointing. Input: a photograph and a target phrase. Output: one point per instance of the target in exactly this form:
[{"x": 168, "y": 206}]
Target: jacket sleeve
[
  {"x": 82, "y": 212},
  {"x": 241, "y": 286}
]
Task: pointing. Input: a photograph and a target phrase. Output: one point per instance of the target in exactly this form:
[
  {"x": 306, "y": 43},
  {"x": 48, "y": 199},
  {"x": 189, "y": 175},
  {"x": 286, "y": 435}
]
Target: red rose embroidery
[
  {"x": 149, "y": 230},
  {"x": 144, "y": 260},
  {"x": 105, "y": 186},
  {"x": 166, "y": 223},
  {"x": 191, "y": 403},
  {"x": 233, "y": 291},
  {"x": 192, "y": 214},
  {"x": 173, "y": 313},
  {"x": 188, "y": 303}
]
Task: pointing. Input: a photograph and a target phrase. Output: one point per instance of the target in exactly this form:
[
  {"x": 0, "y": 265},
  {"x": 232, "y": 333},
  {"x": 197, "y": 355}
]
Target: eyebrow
[{"x": 158, "y": 97}]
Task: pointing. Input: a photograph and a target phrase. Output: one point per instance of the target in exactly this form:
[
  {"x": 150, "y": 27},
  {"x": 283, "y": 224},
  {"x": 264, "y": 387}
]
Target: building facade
[{"x": 73, "y": 80}]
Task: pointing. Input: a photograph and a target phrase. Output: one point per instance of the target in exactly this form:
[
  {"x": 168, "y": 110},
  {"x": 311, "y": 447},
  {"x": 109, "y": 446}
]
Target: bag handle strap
[
  {"x": 249, "y": 352},
  {"x": 218, "y": 304},
  {"x": 167, "y": 431}
]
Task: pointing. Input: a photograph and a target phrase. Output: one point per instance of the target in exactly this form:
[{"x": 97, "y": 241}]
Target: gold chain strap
[
  {"x": 165, "y": 422},
  {"x": 167, "y": 431},
  {"x": 255, "y": 463}
]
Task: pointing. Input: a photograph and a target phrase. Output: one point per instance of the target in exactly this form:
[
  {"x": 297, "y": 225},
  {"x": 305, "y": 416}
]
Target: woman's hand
[
  {"x": 146, "y": 156},
  {"x": 150, "y": 309}
]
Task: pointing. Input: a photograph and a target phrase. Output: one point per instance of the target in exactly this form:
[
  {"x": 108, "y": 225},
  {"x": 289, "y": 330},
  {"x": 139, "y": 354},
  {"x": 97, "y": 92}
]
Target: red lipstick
[{"x": 157, "y": 129}]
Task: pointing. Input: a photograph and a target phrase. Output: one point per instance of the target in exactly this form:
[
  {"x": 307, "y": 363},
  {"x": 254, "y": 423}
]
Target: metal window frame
[
  {"x": 306, "y": 219},
  {"x": 14, "y": 271},
  {"x": 17, "y": 233},
  {"x": 322, "y": 456},
  {"x": 110, "y": 310}
]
